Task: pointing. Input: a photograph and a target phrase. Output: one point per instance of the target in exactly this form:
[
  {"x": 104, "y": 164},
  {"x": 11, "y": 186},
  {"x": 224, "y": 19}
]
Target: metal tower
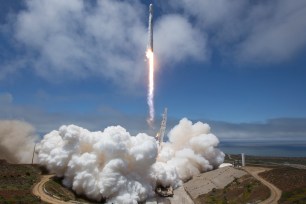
[{"x": 160, "y": 135}]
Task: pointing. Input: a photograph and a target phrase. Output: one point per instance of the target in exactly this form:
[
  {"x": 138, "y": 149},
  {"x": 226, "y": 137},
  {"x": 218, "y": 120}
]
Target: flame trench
[{"x": 150, "y": 96}]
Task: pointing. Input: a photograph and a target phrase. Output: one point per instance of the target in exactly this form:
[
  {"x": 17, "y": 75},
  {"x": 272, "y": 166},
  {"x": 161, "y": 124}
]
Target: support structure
[{"x": 161, "y": 133}]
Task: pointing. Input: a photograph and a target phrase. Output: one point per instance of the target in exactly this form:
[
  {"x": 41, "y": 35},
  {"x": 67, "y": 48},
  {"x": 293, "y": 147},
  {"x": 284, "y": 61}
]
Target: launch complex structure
[{"x": 161, "y": 133}]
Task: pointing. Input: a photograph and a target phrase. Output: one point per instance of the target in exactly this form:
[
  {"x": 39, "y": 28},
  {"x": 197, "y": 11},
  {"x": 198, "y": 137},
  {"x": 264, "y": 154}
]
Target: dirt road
[
  {"x": 180, "y": 196},
  {"x": 38, "y": 190},
  {"x": 275, "y": 192}
]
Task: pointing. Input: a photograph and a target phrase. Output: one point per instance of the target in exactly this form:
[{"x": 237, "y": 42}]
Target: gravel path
[
  {"x": 180, "y": 195},
  {"x": 275, "y": 192},
  {"x": 39, "y": 191}
]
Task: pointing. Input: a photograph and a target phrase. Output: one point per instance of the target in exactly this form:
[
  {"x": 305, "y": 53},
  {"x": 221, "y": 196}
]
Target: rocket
[{"x": 150, "y": 29}]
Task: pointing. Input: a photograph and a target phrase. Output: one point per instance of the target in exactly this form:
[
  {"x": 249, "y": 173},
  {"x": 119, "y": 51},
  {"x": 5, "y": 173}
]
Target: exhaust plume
[
  {"x": 150, "y": 57},
  {"x": 114, "y": 166},
  {"x": 150, "y": 100},
  {"x": 17, "y": 140}
]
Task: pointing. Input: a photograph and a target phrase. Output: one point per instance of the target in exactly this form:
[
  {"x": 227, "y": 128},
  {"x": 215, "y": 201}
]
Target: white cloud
[
  {"x": 44, "y": 121},
  {"x": 210, "y": 12},
  {"x": 277, "y": 129},
  {"x": 250, "y": 31},
  {"x": 277, "y": 34},
  {"x": 75, "y": 39},
  {"x": 177, "y": 40}
]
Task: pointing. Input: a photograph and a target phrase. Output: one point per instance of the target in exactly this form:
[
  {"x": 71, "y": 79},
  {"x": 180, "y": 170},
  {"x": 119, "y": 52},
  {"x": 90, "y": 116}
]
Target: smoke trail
[
  {"x": 150, "y": 56},
  {"x": 150, "y": 98},
  {"x": 17, "y": 141},
  {"x": 120, "y": 168}
]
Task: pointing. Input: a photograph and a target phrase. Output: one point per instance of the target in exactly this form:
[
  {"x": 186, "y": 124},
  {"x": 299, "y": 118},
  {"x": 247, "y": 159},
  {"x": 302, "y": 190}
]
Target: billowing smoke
[
  {"x": 118, "y": 167},
  {"x": 17, "y": 140},
  {"x": 191, "y": 149}
]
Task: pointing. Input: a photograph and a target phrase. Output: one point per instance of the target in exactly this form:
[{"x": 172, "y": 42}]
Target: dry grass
[
  {"x": 291, "y": 181},
  {"x": 16, "y": 181},
  {"x": 243, "y": 190}
]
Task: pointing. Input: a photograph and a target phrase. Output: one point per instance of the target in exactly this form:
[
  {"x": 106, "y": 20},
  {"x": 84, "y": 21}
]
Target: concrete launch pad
[{"x": 218, "y": 179}]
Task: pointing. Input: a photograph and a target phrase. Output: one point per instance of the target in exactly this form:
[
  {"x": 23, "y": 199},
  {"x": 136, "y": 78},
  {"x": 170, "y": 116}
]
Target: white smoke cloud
[
  {"x": 121, "y": 168},
  {"x": 17, "y": 140},
  {"x": 191, "y": 149}
]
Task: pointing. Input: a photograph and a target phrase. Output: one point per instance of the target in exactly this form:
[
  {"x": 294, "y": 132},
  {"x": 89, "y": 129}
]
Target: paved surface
[
  {"x": 39, "y": 191},
  {"x": 179, "y": 197},
  {"x": 275, "y": 192},
  {"x": 218, "y": 179}
]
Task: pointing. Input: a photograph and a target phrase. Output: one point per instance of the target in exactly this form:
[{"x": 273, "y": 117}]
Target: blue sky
[{"x": 239, "y": 66}]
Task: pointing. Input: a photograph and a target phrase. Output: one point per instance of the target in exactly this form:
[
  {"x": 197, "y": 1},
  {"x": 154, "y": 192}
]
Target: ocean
[{"x": 265, "y": 148}]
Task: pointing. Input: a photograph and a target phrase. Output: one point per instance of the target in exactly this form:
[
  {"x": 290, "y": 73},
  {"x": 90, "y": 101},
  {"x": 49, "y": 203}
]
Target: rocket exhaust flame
[{"x": 150, "y": 57}]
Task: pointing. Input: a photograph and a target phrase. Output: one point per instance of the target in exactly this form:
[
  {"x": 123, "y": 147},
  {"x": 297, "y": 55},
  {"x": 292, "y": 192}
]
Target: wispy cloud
[
  {"x": 76, "y": 39},
  {"x": 177, "y": 40},
  {"x": 250, "y": 31},
  {"x": 274, "y": 129},
  {"x": 45, "y": 121},
  {"x": 277, "y": 129}
]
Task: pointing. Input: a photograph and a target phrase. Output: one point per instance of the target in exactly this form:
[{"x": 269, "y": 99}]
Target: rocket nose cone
[{"x": 151, "y": 7}]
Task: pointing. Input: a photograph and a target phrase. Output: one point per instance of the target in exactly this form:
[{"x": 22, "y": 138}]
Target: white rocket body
[{"x": 150, "y": 30}]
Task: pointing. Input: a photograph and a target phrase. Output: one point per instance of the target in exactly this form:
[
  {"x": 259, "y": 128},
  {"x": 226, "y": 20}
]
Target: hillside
[{"x": 16, "y": 181}]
